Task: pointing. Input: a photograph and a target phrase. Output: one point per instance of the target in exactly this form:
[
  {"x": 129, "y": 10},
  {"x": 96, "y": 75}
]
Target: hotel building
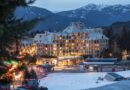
[{"x": 66, "y": 47}]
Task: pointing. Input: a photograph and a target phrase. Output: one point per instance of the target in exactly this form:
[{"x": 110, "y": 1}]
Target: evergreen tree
[
  {"x": 123, "y": 39},
  {"x": 10, "y": 28}
]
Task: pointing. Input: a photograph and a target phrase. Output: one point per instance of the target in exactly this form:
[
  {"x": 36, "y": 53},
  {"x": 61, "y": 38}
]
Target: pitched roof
[
  {"x": 96, "y": 36},
  {"x": 46, "y": 38},
  {"x": 27, "y": 41}
]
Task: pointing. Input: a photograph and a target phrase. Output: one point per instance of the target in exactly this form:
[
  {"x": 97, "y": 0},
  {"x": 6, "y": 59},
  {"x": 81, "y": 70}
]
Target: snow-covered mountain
[
  {"x": 100, "y": 15},
  {"x": 47, "y": 19},
  {"x": 92, "y": 15}
]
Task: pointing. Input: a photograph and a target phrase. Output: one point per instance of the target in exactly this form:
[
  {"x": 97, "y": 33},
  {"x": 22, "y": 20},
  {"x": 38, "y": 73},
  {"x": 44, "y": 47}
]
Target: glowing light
[
  {"x": 46, "y": 48},
  {"x": 18, "y": 76},
  {"x": 54, "y": 45},
  {"x": 13, "y": 67},
  {"x": 87, "y": 45},
  {"x": 60, "y": 37},
  {"x": 54, "y": 48},
  {"x": 67, "y": 41}
]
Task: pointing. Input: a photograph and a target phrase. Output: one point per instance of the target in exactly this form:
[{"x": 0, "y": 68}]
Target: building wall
[{"x": 71, "y": 45}]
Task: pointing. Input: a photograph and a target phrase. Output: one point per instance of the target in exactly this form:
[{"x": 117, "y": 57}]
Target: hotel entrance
[{"x": 61, "y": 61}]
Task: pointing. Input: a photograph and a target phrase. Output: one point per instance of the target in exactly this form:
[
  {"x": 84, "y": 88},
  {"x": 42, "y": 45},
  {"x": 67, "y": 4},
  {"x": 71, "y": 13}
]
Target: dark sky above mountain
[{"x": 63, "y": 5}]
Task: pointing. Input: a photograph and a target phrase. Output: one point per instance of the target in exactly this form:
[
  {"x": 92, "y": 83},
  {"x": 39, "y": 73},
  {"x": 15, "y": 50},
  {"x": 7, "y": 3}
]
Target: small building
[
  {"x": 100, "y": 64},
  {"x": 113, "y": 77}
]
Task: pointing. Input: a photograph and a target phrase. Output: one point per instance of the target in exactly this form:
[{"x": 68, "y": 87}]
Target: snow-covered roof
[
  {"x": 63, "y": 34},
  {"x": 71, "y": 29},
  {"x": 96, "y": 36},
  {"x": 27, "y": 41},
  {"x": 74, "y": 27},
  {"x": 93, "y": 30},
  {"x": 46, "y": 38}
]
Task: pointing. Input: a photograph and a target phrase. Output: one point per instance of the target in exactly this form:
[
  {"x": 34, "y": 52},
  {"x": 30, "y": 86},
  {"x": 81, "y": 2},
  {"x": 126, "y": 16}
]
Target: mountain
[
  {"x": 92, "y": 15},
  {"x": 47, "y": 19},
  {"x": 100, "y": 15},
  {"x": 29, "y": 13}
]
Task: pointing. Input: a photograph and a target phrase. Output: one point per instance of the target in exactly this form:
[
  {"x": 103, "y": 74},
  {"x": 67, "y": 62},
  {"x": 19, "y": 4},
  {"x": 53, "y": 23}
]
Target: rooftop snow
[
  {"x": 71, "y": 29},
  {"x": 93, "y": 34},
  {"x": 63, "y": 34},
  {"x": 74, "y": 27},
  {"x": 96, "y": 36},
  {"x": 27, "y": 41},
  {"x": 46, "y": 38}
]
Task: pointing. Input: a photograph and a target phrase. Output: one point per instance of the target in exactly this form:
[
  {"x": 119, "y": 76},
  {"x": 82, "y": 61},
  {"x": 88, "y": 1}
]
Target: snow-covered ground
[
  {"x": 122, "y": 85},
  {"x": 76, "y": 81}
]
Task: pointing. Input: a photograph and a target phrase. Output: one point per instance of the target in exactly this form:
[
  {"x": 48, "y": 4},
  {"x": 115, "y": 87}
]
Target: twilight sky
[{"x": 62, "y": 5}]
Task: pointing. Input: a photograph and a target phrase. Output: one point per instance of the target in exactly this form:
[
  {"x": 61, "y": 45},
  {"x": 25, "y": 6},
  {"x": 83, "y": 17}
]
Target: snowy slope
[{"x": 100, "y": 15}]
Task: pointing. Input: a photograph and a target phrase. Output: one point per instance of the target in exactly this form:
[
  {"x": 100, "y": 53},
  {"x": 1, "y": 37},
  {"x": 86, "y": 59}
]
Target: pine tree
[{"x": 11, "y": 29}]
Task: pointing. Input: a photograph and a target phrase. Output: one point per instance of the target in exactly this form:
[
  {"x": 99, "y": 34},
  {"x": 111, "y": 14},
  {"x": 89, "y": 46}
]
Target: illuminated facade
[{"x": 74, "y": 41}]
